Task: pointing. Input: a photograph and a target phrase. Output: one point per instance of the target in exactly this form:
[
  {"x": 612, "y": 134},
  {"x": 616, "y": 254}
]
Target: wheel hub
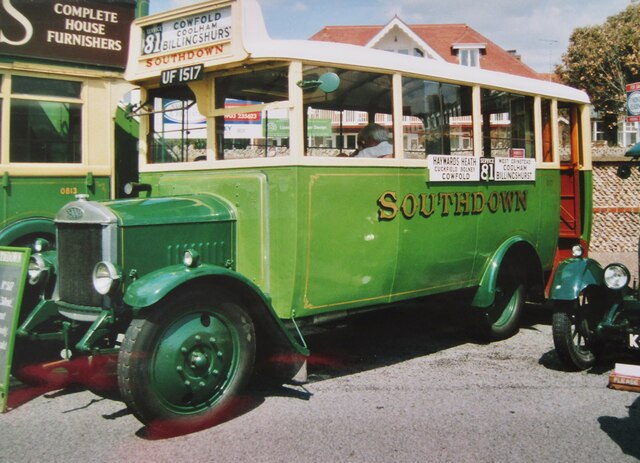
[{"x": 194, "y": 361}]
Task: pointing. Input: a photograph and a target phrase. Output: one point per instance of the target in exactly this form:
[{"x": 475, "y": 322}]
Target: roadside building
[{"x": 453, "y": 43}]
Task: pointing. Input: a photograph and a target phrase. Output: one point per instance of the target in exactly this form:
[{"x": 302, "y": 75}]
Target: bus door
[
  {"x": 574, "y": 192},
  {"x": 126, "y": 150},
  {"x": 570, "y": 189}
]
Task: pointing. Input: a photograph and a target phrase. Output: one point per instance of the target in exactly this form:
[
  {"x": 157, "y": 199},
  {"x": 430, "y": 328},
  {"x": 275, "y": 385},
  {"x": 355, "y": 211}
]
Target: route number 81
[
  {"x": 487, "y": 171},
  {"x": 152, "y": 43}
]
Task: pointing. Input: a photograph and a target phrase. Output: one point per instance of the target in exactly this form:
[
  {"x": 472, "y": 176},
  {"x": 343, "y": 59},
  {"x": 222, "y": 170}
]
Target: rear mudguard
[
  {"x": 486, "y": 293},
  {"x": 574, "y": 275},
  {"x": 151, "y": 288}
]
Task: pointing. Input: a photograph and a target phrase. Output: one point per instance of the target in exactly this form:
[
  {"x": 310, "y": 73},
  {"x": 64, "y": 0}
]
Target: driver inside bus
[{"x": 373, "y": 142}]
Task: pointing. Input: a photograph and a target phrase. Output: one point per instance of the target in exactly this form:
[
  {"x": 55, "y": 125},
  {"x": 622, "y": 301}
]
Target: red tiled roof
[{"x": 441, "y": 38}]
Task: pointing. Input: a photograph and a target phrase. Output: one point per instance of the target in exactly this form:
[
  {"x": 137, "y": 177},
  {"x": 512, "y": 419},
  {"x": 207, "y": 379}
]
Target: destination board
[
  {"x": 191, "y": 31},
  {"x": 14, "y": 263},
  {"x": 447, "y": 168}
]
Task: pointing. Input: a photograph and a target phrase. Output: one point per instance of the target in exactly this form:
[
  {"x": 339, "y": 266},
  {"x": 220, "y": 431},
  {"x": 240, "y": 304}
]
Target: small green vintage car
[{"x": 595, "y": 306}]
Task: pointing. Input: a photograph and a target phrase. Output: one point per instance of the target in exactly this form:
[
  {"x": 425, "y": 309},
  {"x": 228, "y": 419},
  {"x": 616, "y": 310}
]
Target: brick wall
[{"x": 616, "y": 208}]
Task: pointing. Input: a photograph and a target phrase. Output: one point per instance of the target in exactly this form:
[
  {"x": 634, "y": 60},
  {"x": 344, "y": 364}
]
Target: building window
[
  {"x": 469, "y": 57},
  {"x": 45, "y": 120},
  {"x": 598, "y": 131}
]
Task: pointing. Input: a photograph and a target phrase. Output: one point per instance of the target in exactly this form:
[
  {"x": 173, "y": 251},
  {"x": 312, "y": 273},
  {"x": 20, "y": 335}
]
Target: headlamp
[
  {"x": 38, "y": 269},
  {"x": 616, "y": 276},
  {"x": 106, "y": 277}
]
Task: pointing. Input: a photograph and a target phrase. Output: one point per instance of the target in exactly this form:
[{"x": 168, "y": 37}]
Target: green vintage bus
[{"x": 257, "y": 213}]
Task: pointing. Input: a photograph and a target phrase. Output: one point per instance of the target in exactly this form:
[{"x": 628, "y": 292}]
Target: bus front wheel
[{"x": 183, "y": 363}]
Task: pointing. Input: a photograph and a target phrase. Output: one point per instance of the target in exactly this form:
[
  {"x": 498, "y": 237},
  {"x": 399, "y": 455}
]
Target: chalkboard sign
[{"x": 14, "y": 263}]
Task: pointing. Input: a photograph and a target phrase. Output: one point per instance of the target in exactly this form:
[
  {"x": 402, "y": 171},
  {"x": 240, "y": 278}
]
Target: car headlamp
[
  {"x": 577, "y": 251},
  {"x": 616, "y": 276},
  {"x": 38, "y": 270},
  {"x": 106, "y": 277}
]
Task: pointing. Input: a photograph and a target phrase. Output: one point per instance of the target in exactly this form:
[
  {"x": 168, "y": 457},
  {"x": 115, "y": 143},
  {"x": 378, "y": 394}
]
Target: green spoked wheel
[
  {"x": 181, "y": 366},
  {"x": 574, "y": 330}
]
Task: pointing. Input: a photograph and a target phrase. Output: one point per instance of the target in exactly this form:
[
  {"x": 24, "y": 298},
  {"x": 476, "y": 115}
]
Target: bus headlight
[
  {"x": 106, "y": 277},
  {"x": 41, "y": 245},
  {"x": 616, "y": 276},
  {"x": 191, "y": 258},
  {"x": 38, "y": 269}
]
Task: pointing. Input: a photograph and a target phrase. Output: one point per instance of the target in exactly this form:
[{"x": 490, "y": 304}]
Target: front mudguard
[
  {"x": 572, "y": 276},
  {"x": 154, "y": 286}
]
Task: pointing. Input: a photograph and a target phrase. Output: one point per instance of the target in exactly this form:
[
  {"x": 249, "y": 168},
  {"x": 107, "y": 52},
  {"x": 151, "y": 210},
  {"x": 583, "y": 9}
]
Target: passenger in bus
[{"x": 373, "y": 142}]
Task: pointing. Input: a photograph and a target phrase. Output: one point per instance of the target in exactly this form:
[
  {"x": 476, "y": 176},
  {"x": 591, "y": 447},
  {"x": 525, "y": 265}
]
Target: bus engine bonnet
[{"x": 148, "y": 211}]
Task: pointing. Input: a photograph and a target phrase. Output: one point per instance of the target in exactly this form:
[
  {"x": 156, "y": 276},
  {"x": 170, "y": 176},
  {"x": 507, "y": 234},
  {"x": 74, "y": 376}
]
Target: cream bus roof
[{"x": 253, "y": 42}]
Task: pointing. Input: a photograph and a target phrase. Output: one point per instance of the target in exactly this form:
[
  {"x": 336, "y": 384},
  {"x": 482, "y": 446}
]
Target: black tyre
[
  {"x": 574, "y": 326},
  {"x": 183, "y": 364},
  {"x": 502, "y": 319}
]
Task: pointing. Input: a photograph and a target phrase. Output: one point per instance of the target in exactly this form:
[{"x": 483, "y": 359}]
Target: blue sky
[{"x": 538, "y": 30}]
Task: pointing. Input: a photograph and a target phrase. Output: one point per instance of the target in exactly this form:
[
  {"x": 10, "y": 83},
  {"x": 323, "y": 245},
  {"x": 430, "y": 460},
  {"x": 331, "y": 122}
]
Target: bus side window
[
  {"x": 568, "y": 133},
  {"x": 248, "y": 129},
  {"x": 437, "y": 118},
  {"x": 47, "y": 128},
  {"x": 334, "y": 120},
  {"x": 177, "y": 130},
  {"x": 507, "y": 124},
  {"x": 547, "y": 144}
]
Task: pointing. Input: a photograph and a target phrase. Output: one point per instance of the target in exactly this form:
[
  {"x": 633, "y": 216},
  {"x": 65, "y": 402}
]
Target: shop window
[
  {"x": 507, "y": 124},
  {"x": 41, "y": 130},
  {"x": 437, "y": 118}
]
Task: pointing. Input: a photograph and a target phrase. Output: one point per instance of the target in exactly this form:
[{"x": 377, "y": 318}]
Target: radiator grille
[{"x": 79, "y": 249}]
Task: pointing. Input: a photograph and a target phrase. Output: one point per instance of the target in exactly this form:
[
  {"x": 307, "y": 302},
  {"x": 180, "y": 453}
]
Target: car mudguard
[{"x": 572, "y": 276}]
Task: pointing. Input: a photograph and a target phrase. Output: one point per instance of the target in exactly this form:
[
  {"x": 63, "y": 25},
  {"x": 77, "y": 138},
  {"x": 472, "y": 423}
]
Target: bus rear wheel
[
  {"x": 182, "y": 364},
  {"x": 502, "y": 319}
]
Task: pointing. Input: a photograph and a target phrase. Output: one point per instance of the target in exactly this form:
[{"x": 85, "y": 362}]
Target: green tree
[{"x": 601, "y": 60}]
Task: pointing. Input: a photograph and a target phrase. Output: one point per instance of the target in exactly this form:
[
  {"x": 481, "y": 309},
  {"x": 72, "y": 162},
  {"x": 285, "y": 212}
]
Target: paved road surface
[{"x": 386, "y": 387}]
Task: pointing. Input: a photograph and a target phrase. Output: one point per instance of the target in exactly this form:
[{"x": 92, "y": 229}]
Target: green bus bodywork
[
  {"x": 290, "y": 221},
  {"x": 29, "y": 204}
]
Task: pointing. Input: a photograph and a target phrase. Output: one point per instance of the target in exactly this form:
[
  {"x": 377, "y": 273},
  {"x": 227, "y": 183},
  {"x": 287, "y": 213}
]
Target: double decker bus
[{"x": 258, "y": 213}]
